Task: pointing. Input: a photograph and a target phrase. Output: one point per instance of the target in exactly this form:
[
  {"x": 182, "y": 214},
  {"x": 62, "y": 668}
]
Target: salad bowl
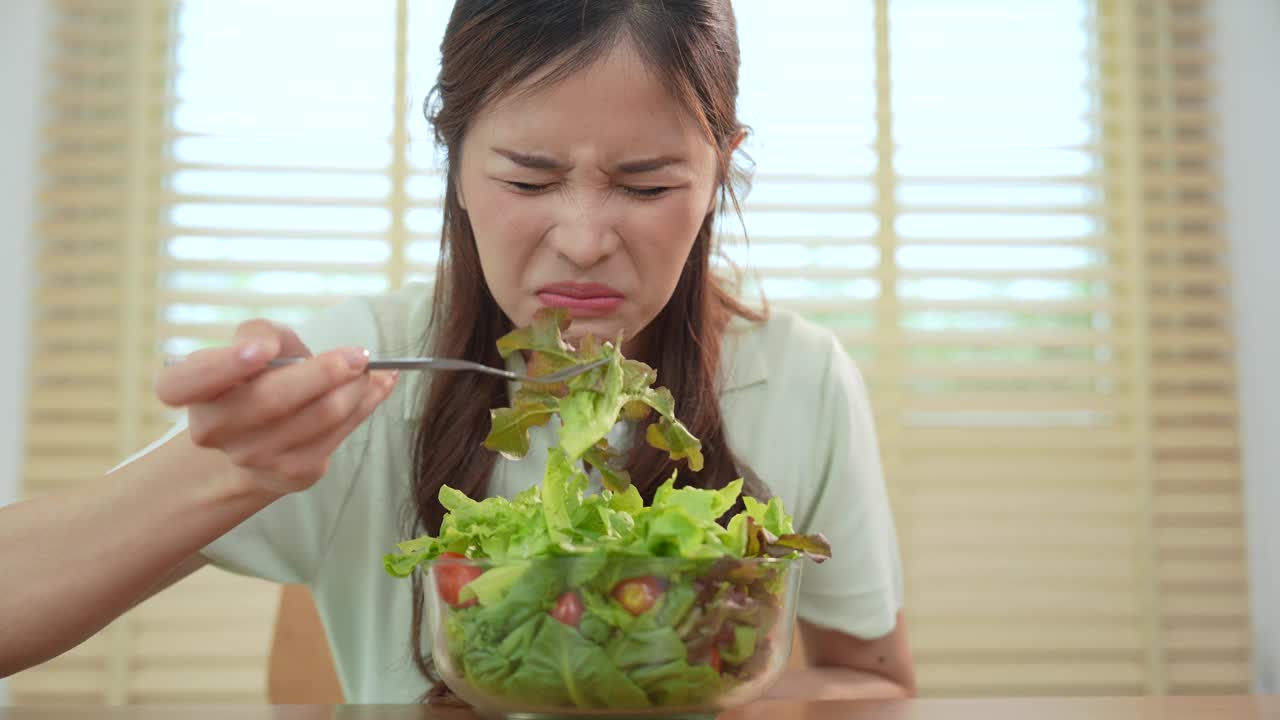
[{"x": 609, "y": 636}]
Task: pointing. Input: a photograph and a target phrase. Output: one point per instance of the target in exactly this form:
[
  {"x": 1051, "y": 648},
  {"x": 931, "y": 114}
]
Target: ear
[{"x": 737, "y": 139}]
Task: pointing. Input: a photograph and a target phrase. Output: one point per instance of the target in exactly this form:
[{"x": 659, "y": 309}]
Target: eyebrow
[
  {"x": 636, "y": 167},
  {"x": 542, "y": 162},
  {"x": 533, "y": 162}
]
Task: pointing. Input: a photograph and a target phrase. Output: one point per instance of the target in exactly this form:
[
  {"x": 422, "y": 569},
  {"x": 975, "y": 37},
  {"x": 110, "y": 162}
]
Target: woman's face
[{"x": 587, "y": 195}]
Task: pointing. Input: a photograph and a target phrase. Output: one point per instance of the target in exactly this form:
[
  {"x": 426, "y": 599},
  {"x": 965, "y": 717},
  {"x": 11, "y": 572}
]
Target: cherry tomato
[
  {"x": 450, "y": 578},
  {"x": 568, "y": 609},
  {"x": 716, "y": 663},
  {"x": 638, "y": 594}
]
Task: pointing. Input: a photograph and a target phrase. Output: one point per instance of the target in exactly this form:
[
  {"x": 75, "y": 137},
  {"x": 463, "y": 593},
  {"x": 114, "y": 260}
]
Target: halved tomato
[{"x": 638, "y": 594}]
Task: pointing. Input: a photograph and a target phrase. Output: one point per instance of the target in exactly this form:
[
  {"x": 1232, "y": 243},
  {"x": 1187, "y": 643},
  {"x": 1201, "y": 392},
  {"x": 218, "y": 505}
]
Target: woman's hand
[
  {"x": 837, "y": 666},
  {"x": 280, "y": 425}
]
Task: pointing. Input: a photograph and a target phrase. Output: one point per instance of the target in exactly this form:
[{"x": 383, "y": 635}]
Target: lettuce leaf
[
  {"x": 493, "y": 585},
  {"x": 589, "y": 405},
  {"x": 509, "y": 427}
]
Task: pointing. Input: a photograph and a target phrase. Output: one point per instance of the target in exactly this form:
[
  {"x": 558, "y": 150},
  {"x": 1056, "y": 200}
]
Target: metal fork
[{"x": 430, "y": 363}]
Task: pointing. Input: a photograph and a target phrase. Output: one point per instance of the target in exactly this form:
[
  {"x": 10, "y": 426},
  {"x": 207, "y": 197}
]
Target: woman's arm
[
  {"x": 74, "y": 561},
  {"x": 71, "y": 562},
  {"x": 842, "y": 667}
]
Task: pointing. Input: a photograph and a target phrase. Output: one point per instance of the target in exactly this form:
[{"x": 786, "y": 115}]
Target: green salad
[{"x": 560, "y": 597}]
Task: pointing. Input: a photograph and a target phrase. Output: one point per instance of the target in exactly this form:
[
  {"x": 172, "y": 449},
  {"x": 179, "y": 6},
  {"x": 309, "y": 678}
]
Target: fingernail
[
  {"x": 252, "y": 353},
  {"x": 356, "y": 358}
]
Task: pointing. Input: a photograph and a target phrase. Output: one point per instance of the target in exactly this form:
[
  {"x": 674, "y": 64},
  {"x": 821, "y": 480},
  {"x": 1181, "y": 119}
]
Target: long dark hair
[{"x": 490, "y": 47}]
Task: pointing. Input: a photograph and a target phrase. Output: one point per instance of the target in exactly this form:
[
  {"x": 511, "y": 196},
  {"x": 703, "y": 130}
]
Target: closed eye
[
  {"x": 647, "y": 193},
  {"x": 527, "y": 188}
]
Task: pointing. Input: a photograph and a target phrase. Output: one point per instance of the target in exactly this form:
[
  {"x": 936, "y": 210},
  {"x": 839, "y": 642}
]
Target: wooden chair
[{"x": 301, "y": 670}]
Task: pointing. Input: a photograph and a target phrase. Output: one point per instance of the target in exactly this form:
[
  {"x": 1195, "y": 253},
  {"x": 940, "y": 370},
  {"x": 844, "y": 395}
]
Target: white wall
[
  {"x": 1249, "y": 52},
  {"x": 20, "y": 21},
  {"x": 20, "y": 34}
]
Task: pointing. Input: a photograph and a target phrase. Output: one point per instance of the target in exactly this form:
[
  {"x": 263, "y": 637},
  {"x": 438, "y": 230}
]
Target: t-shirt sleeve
[
  {"x": 859, "y": 590},
  {"x": 286, "y": 541}
]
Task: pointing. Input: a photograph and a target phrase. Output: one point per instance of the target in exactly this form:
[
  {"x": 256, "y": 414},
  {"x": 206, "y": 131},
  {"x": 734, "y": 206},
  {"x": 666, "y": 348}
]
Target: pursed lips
[{"x": 581, "y": 299}]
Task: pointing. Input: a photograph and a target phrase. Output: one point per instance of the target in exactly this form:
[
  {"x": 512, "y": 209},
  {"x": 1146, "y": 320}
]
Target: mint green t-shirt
[{"x": 795, "y": 410}]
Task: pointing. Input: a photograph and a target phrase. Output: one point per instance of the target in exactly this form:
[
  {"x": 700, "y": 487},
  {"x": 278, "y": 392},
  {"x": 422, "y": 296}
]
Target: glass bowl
[{"x": 610, "y": 635}]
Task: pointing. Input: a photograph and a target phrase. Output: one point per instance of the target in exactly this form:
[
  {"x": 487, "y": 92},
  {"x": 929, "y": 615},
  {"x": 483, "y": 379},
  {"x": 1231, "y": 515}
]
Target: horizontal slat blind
[
  {"x": 810, "y": 215},
  {"x": 1007, "y": 211},
  {"x": 1198, "y": 571},
  {"x": 1010, "y": 316},
  {"x": 190, "y": 191},
  {"x": 279, "y": 160}
]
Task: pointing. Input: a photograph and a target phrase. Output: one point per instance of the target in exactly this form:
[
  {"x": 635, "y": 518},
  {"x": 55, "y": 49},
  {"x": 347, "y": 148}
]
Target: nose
[{"x": 585, "y": 236}]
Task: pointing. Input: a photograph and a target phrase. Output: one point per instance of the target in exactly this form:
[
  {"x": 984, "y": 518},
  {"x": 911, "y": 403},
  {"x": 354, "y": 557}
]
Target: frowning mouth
[{"x": 581, "y": 299}]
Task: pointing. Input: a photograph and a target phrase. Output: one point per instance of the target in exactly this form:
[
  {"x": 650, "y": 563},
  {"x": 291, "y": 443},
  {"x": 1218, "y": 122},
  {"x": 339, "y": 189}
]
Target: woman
[{"x": 589, "y": 151}]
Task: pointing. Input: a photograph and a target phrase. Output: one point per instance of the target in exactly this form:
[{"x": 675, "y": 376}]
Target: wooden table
[{"x": 1174, "y": 708}]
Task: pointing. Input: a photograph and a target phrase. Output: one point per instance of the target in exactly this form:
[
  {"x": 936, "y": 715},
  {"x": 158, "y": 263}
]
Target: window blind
[{"x": 1007, "y": 211}]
